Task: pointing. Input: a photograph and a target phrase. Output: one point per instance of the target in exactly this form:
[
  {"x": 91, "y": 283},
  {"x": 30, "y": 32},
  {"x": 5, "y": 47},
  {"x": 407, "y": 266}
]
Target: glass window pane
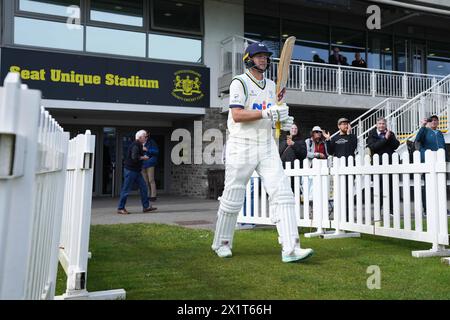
[
  {"x": 184, "y": 15},
  {"x": 265, "y": 30},
  {"x": 53, "y": 7},
  {"x": 438, "y": 58},
  {"x": 113, "y": 41},
  {"x": 380, "y": 52},
  {"x": 48, "y": 34},
  {"x": 312, "y": 42},
  {"x": 127, "y": 12},
  {"x": 174, "y": 48},
  {"x": 349, "y": 42}
]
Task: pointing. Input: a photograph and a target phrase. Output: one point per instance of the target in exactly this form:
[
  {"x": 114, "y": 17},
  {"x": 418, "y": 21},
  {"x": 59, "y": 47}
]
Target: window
[
  {"x": 47, "y": 34},
  {"x": 180, "y": 15},
  {"x": 349, "y": 42},
  {"x": 174, "y": 48},
  {"x": 438, "y": 60},
  {"x": 113, "y": 41},
  {"x": 380, "y": 52},
  {"x": 51, "y": 7},
  {"x": 264, "y": 29},
  {"x": 312, "y": 42},
  {"x": 119, "y": 12}
]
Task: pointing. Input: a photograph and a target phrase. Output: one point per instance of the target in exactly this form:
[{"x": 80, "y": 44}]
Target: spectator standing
[
  {"x": 344, "y": 143},
  {"x": 132, "y": 172},
  {"x": 430, "y": 138},
  {"x": 382, "y": 140},
  {"x": 148, "y": 166},
  {"x": 316, "y": 147},
  {"x": 293, "y": 148}
]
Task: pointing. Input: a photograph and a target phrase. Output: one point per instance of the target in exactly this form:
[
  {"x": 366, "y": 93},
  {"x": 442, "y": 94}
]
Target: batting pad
[
  {"x": 230, "y": 204},
  {"x": 284, "y": 218}
]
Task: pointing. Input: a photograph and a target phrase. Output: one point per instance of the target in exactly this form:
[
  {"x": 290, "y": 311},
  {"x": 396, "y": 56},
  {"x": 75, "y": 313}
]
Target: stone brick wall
[{"x": 192, "y": 179}]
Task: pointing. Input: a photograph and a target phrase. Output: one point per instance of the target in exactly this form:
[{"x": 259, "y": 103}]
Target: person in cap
[
  {"x": 315, "y": 145},
  {"x": 251, "y": 146},
  {"x": 429, "y": 136},
  {"x": 344, "y": 143}
]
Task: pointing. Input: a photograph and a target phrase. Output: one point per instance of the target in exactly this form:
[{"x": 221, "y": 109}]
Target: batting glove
[
  {"x": 287, "y": 124},
  {"x": 276, "y": 113}
]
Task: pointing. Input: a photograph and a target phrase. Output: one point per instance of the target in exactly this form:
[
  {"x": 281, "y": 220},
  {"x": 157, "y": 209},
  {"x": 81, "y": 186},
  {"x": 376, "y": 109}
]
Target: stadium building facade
[{"x": 115, "y": 67}]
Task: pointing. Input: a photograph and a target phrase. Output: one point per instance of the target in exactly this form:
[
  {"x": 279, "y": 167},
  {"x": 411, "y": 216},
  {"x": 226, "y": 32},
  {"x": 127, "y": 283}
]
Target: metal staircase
[{"x": 404, "y": 116}]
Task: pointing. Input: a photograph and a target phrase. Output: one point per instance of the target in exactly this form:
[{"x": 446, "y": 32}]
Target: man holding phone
[
  {"x": 429, "y": 136},
  {"x": 132, "y": 172}
]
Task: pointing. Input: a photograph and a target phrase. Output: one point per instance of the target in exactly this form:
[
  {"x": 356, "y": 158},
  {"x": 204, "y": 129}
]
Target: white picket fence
[
  {"x": 74, "y": 242},
  {"x": 348, "y": 197},
  {"x": 40, "y": 209},
  {"x": 33, "y": 149}
]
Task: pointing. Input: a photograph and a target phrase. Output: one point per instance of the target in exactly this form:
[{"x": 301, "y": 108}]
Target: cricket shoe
[
  {"x": 297, "y": 255},
  {"x": 224, "y": 252}
]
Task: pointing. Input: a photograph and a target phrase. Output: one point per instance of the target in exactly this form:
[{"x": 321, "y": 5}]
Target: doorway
[{"x": 116, "y": 144}]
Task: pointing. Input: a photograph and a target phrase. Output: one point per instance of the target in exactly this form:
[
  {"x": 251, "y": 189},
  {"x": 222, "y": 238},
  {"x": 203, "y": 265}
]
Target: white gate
[
  {"x": 33, "y": 150},
  {"x": 74, "y": 243}
]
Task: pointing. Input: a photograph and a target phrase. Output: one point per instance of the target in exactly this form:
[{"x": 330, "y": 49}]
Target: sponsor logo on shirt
[{"x": 261, "y": 106}]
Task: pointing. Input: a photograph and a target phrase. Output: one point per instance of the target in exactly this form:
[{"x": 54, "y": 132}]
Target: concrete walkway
[{"x": 175, "y": 210}]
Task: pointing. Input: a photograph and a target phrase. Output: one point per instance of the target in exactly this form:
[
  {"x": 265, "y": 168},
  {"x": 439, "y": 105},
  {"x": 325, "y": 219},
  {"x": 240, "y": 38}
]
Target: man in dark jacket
[
  {"x": 359, "y": 62},
  {"x": 132, "y": 173},
  {"x": 381, "y": 140},
  {"x": 344, "y": 143},
  {"x": 336, "y": 58}
]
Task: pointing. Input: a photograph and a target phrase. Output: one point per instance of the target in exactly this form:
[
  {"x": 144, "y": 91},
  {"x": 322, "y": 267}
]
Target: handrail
[
  {"x": 403, "y": 108},
  {"x": 364, "y": 69}
]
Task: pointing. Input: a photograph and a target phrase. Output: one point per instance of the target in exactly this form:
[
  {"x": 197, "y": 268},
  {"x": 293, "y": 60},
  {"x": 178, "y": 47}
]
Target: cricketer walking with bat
[{"x": 254, "y": 113}]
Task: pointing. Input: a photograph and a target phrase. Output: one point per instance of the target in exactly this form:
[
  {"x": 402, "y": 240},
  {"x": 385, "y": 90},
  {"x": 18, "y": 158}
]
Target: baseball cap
[
  {"x": 316, "y": 128},
  {"x": 343, "y": 120}
]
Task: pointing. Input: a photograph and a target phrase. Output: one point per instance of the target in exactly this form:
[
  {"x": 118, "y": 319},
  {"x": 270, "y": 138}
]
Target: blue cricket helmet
[{"x": 255, "y": 48}]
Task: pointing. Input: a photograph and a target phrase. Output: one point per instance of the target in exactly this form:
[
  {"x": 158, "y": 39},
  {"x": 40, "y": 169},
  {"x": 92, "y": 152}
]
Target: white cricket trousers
[{"x": 242, "y": 159}]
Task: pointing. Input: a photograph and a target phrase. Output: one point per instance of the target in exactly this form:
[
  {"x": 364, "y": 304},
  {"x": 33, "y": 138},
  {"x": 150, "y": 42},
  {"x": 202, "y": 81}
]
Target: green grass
[{"x": 152, "y": 261}]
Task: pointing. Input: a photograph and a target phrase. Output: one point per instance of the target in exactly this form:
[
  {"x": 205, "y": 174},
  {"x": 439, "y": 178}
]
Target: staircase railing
[{"x": 405, "y": 121}]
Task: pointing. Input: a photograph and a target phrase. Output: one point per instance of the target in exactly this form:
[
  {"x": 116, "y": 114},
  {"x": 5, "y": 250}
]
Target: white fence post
[
  {"x": 436, "y": 199},
  {"x": 74, "y": 241},
  {"x": 405, "y": 86},
  {"x": 303, "y": 83},
  {"x": 339, "y": 80}
]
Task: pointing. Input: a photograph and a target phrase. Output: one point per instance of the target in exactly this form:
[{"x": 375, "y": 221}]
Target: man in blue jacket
[
  {"x": 429, "y": 137},
  {"x": 148, "y": 166}
]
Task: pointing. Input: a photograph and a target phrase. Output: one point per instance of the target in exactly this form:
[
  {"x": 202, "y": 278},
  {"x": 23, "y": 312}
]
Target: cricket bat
[{"x": 283, "y": 74}]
